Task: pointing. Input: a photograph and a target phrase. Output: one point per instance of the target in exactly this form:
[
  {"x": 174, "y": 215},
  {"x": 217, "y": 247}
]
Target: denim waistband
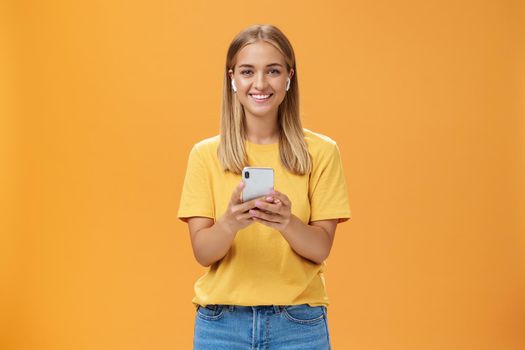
[{"x": 276, "y": 308}]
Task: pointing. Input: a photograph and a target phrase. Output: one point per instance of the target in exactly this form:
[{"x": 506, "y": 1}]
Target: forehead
[{"x": 260, "y": 53}]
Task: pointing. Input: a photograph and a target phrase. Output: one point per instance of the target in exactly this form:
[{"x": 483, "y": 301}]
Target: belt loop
[
  {"x": 276, "y": 309},
  {"x": 231, "y": 307}
]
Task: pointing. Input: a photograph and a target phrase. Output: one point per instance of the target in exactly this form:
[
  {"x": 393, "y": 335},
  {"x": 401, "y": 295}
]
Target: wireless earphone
[
  {"x": 233, "y": 86},
  {"x": 288, "y": 84}
]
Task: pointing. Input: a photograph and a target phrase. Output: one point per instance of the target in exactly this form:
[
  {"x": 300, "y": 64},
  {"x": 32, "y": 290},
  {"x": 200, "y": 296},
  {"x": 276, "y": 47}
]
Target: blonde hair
[{"x": 293, "y": 149}]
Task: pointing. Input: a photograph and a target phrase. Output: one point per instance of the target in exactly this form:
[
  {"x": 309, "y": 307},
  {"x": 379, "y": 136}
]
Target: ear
[
  {"x": 230, "y": 73},
  {"x": 291, "y": 73}
]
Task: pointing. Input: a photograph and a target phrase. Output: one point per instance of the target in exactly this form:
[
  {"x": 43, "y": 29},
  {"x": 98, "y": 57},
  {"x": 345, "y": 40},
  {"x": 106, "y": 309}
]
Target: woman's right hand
[{"x": 237, "y": 216}]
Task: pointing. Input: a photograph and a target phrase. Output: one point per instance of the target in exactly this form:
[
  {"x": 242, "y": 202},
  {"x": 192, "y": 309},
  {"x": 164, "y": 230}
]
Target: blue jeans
[{"x": 233, "y": 327}]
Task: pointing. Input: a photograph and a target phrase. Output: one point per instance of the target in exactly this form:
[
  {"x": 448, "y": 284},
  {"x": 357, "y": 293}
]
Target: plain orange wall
[{"x": 101, "y": 102}]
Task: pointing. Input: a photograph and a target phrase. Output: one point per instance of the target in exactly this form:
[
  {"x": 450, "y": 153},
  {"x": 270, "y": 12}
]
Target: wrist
[
  {"x": 225, "y": 226},
  {"x": 291, "y": 223}
]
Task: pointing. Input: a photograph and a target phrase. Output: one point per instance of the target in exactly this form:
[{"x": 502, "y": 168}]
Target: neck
[{"x": 262, "y": 129}]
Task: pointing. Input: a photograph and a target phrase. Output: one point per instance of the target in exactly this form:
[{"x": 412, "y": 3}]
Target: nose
[{"x": 260, "y": 82}]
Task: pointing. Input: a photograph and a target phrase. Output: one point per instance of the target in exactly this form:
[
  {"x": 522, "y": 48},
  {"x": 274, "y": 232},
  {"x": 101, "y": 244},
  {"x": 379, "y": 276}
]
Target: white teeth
[{"x": 261, "y": 97}]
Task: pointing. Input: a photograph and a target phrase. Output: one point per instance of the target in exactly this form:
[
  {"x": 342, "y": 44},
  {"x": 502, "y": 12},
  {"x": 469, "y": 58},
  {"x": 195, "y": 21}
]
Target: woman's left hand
[{"x": 277, "y": 212}]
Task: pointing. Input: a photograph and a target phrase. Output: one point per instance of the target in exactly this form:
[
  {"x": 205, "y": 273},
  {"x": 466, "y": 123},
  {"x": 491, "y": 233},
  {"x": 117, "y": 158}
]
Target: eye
[
  {"x": 275, "y": 70},
  {"x": 243, "y": 72}
]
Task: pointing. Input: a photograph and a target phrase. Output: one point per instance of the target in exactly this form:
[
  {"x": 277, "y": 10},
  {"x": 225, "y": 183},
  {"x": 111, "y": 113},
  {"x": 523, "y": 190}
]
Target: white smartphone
[{"x": 258, "y": 182}]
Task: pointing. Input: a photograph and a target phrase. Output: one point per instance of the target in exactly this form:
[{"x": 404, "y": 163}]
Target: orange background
[{"x": 101, "y": 102}]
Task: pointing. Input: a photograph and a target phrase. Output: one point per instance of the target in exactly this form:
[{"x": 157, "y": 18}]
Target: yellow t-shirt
[{"x": 261, "y": 268}]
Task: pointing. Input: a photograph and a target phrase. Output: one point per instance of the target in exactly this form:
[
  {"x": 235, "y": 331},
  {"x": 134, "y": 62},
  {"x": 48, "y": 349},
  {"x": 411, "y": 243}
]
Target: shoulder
[
  {"x": 204, "y": 151},
  {"x": 207, "y": 145},
  {"x": 319, "y": 143}
]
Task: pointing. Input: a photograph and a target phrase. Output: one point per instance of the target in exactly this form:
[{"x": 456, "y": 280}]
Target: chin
[{"x": 261, "y": 112}]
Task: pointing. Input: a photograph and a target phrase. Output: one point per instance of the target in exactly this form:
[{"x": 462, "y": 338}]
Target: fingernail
[
  {"x": 257, "y": 203},
  {"x": 269, "y": 198}
]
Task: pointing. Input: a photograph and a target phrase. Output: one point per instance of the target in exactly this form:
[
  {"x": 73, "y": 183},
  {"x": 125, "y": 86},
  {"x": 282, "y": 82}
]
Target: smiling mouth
[{"x": 261, "y": 97}]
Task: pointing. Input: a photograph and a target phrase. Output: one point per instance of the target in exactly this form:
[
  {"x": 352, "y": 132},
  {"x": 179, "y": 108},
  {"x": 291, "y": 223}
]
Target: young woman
[{"x": 265, "y": 287}]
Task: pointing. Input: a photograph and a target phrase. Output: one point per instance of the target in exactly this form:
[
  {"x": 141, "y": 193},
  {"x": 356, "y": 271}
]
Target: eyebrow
[{"x": 269, "y": 65}]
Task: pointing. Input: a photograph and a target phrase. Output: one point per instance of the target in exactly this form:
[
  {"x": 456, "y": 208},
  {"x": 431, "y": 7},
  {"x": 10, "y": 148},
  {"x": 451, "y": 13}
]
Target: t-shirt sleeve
[
  {"x": 327, "y": 191},
  {"x": 196, "y": 196}
]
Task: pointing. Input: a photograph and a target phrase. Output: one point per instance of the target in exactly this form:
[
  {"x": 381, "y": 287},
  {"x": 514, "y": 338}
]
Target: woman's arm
[
  {"x": 313, "y": 241},
  {"x": 210, "y": 241}
]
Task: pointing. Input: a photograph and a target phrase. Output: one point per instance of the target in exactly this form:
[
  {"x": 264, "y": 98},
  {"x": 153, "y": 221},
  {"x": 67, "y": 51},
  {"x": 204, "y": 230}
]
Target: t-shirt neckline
[{"x": 262, "y": 146}]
